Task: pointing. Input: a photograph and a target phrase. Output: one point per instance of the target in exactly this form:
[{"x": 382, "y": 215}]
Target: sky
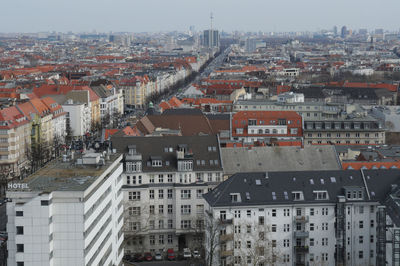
[{"x": 169, "y": 15}]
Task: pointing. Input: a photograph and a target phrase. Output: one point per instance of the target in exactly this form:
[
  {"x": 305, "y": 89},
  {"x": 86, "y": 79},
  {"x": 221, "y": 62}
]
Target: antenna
[{"x": 211, "y": 18}]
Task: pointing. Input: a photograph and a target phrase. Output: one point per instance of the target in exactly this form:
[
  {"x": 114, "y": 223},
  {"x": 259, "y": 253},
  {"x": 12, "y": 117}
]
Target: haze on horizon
[{"x": 169, "y": 15}]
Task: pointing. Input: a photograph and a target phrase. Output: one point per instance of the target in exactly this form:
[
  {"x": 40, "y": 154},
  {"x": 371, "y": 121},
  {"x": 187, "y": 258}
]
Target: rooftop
[{"x": 60, "y": 175}]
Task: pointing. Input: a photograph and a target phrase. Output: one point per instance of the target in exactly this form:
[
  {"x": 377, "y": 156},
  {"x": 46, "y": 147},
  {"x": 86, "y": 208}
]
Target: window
[
  {"x": 238, "y": 244},
  {"x": 185, "y": 194},
  {"x": 169, "y": 178},
  {"x": 19, "y": 213},
  {"x": 199, "y": 193},
  {"x": 286, "y": 212},
  {"x": 372, "y": 223},
  {"x": 20, "y": 263},
  {"x": 161, "y": 224},
  {"x": 286, "y": 228},
  {"x": 324, "y": 211},
  {"x": 44, "y": 202},
  {"x": 160, "y": 178},
  {"x": 248, "y": 213},
  {"x": 361, "y": 239},
  {"x": 321, "y": 195},
  {"x": 160, "y": 209},
  {"x": 152, "y": 239},
  {"x": 134, "y": 195},
  {"x": 170, "y": 224},
  {"x": 152, "y": 211},
  {"x": 169, "y": 208},
  {"x": 311, "y": 227},
  {"x": 237, "y": 214},
  {"x": 185, "y": 224},
  {"x": 273, "y": 228},
  {"x": 151, "y": 193},
  {"x": 20, "y": 247},
  {"x": 248, "y": 229},
  {"x": 311, "y": 211},
  {"x": 286, "y": 243},
  {"x": 185, "y": 209},
  {"x": 273, "y": 243},
  {"x": 134, "y": 211},
  {"x": 324, "y": 241},
  {"x": 361, "y": 224},
  {"x": 169, "y": 193},
  {"x": 248, "y": 244},
  {"x": 273, "y": 212},
  {"x": 160, "y": 193},
  {"x": 311, "y": 242},
  {"x": 20, "y": 230},
  {"x": 237, "y": 229},
  {"x": 161, "y": 239},
  {"x": 361, "y": 208},
  {"x": 324, "y": 256},
  {"x": 360, "y": 254},
  {"x": 324, "y": 226},
  {"x": 170, "y": 239},
  {"x": 151, "y": 178},
  {"x": 261, "y": 220}
]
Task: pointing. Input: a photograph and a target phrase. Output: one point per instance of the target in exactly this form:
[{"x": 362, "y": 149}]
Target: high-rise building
[
  {"x": 335, "y": 30},
  {"x": 250, "y": 45},
  {"x": 343, "y": 32},
  {"x": 68, "y": 213},
  {"x": 211, "y": 38}
]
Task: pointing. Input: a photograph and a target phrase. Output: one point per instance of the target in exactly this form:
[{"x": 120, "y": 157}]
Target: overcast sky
[{"x": 168, "y": 15}]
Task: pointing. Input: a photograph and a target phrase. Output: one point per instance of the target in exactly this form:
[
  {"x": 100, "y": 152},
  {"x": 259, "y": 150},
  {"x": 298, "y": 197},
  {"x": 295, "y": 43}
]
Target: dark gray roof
[
  {"x": 155, "y": 146},
  {"x": 183, "y": 111},
  {"x": 378, "y": 185}
]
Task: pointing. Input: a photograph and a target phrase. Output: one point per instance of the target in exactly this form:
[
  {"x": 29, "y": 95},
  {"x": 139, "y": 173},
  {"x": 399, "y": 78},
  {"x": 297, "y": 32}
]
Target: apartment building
[
  {"x": 15, "y": 141},
  {"x": 111, "y": 100},
  {"x": 344, "y": 130},
  {"x": 300, "y": 218},
  {"x": 164, "y": 180},
  {"x": 78, "y": 117},
  {"x": 250, "y": 126},
  {"x": 68, "y": 213}
]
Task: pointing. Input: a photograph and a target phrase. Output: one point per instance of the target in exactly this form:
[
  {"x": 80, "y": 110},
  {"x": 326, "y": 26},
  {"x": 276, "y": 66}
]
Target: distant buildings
[{"x": 211, "y": 38}]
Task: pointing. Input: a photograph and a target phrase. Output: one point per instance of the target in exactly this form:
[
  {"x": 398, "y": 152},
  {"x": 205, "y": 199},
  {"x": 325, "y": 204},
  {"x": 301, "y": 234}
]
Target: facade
[
  {"x": 164, "y": 180},
  {"x": 15, "y": 141},
  {"x": 211, "y": 38},
  {"x": 250, "y": 126},
  {"x": 300, "y": 218},
  {"x": 110, "y": 100},
  {"x": 362, "y": 130},
  {"x": 78, "y": 117},
  {"x": 60, "y": 216}
]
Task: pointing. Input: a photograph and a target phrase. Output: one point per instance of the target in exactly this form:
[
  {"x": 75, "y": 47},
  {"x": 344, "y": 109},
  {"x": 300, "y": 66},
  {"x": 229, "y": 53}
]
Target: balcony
[
  {"x": 226, "y": 237},
  {"x": 226, "y": 221},
  {"x": 226, "y": 253},
  {"x": 301, "y": 234},
  {"x": 301, "y": 219},
  {"x": 301, "y": 249}
]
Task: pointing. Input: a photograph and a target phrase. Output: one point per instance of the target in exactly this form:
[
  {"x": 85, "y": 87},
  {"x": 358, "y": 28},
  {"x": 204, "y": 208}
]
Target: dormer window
[
  {"x": 321, "y": 195},
  {"x": 156, "y": 163},
  {"x": 297, "y": 195},
  {"x": 235, "y": 197}
]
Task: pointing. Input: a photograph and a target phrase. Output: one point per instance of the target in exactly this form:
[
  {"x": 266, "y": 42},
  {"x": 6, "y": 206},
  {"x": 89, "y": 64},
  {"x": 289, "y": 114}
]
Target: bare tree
[
  {"x": 212, "y": 237},
  {"x": 254, "y": 245}
]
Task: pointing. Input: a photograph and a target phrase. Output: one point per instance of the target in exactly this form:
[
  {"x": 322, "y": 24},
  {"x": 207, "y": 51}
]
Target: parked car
[
  {"x": 137, "y": 258},
  {"x": 171, "y": 254},
  {"x": 186, "y": 253},
  {"x": 196, "y": 254},
  {"x": 158, "y": 256},
  {"x": 148, "y": 256}
]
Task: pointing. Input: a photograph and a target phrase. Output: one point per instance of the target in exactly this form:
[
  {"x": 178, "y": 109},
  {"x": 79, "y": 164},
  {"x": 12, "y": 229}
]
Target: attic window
[
  {"x": 311, "y": 181},
  {"x": 286, "y": 195},
  {"x": 235, "y": 197},
  {"x": 321, "y": 195},
  {"x": 167, "y": 163},
  {"x": 258, "y": 182},
  {"x": 156, "y": 163},
  {"x": 297, "y": 195},
  {"x": 322, "y": 181},
  {"x": 171, "y": 149},
  {"x": 214, "y": 148},
  {"x": 273, "y": 195},
  {"x": 247, "y": 195},
  {"x": 333, "y": 179}
]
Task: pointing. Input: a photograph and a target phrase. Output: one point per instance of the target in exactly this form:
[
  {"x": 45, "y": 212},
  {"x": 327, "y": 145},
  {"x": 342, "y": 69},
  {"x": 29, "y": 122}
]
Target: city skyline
[{"x": 151, "y": 16}]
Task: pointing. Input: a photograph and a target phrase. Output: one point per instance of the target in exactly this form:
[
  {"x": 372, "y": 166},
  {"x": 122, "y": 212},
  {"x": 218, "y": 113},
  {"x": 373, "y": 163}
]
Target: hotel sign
[{"x": 17, "y": 186}]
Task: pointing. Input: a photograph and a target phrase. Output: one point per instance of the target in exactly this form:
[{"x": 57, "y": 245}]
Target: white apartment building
[
  {"x": 68, "y": 213},
  {"x": 111, "y": 100},
  {"x": 164, "y": 180},
  {"x": 78, "y": 117},
  {"x": 298, "y": 218}
]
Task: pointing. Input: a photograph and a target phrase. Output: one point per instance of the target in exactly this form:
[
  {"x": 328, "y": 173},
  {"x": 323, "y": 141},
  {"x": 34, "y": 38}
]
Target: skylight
[
  {"x": 286, "y": 195},
  {"x": 273, "y": 195},
  {"x": 247, "y": 195},
  {"x": 258, "y": 182},
  {"x": 333, "y": 179},
  {"x": 322, "y": 181},
  {"x": 311, "y": 181}
]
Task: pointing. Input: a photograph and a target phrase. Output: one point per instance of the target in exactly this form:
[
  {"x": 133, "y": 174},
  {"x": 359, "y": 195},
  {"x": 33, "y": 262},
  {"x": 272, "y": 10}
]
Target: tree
[{"x": 212, "y": 237}]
